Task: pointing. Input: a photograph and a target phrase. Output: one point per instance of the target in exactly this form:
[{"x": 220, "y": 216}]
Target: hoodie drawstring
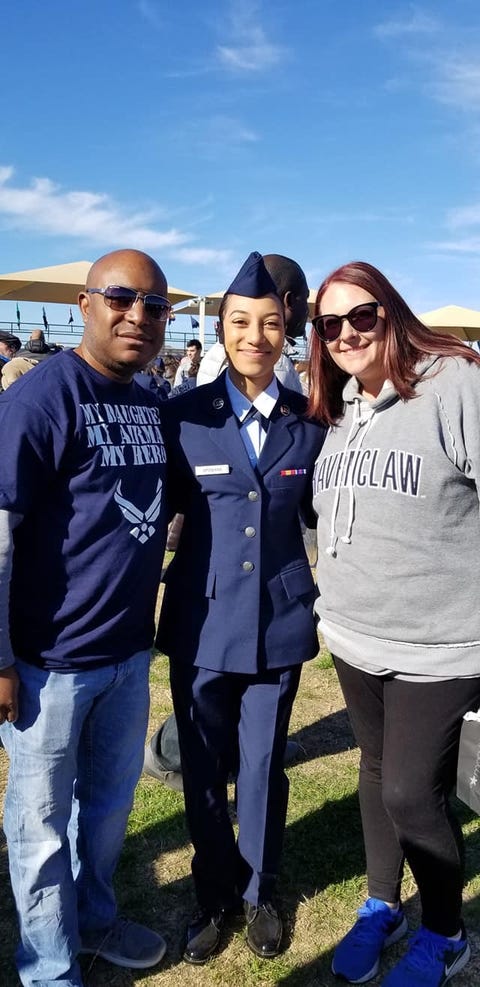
[{"x": 358, "y": 420}]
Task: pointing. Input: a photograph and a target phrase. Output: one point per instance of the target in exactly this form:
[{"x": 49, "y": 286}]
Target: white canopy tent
[
  {"x": 201, "y": 306},
  {"x": 60, "y": 283},
  {"x": 462, "y": 322}
]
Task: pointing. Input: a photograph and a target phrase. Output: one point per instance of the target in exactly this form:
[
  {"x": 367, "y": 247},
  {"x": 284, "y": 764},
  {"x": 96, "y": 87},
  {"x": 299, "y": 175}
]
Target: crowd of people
[
  {"x": 18, "y": 359},
  {"x": 383, "y": 458}
]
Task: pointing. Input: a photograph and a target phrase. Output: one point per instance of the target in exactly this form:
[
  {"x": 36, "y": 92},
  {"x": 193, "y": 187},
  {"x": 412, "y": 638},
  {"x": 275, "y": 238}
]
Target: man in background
[
  {"x": 193, "y": 355},
  {"x": 37, "y": 347},
  {"x": 35, "y": 350},
  {"x": 9, "y": 346}
]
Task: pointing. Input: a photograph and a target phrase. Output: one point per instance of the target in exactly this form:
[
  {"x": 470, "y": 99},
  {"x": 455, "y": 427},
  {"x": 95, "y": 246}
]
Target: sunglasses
[
  {"x": 122, "y": 299},
  {"x": 363, "y": 318}
]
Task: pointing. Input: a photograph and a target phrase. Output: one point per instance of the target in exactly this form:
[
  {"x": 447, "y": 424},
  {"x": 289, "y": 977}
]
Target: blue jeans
[{"x": 76, "y": 754}]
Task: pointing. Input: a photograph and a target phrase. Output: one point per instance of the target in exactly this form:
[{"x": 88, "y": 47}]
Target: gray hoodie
[{"x": 396, "y": 490}]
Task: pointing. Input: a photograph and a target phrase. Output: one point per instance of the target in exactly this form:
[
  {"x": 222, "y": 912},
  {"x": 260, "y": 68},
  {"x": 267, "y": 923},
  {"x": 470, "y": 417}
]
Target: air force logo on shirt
[{"x": 142, "y": 520}]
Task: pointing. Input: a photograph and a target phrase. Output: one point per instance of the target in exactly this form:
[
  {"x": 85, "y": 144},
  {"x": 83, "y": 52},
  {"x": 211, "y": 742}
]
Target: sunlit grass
[{"x": 322, "y": 881}]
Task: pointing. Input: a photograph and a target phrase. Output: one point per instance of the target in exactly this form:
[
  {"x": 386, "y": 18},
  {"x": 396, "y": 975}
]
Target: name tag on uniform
[{"x": 214, "y": 470}]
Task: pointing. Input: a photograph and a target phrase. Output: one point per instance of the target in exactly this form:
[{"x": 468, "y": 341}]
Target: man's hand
[{"x": 9, "y": 683}]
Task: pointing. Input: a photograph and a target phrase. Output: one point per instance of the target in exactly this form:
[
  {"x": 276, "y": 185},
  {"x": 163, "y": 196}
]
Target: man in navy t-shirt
[{"x": 82, "y": 537}]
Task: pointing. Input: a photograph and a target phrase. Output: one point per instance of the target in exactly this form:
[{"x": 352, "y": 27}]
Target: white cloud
[
  {"x": 44, "y": 207},
  {"x": 245, "y": 47},
  {"x": 467, "y": 245},
  {"x": 151, "y": 13},
  {"x": 208, "y": 131},
  {"x": 457, "y": 80},
  {"x": 387, "y": 215},
  {"x": 464, "y": 223},
  {"x": 250, "y": 49},
  {"x": 231, "y": 130},
  {"x": 464, "y": 216},
  {"x": 443, "y": 57},
  {"x": 244, "y": 134},
  {"x": 255, "y": 56},
  {"x": 204, "y": 255},
  {"x": 417, "y": 23},
  {"x": 6, "y": 172}
]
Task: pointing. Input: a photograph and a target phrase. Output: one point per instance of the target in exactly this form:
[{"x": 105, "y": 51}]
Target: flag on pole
[
  {"x": 44, "y": 317},
  {"x": 70, "y": 321},
  {"x": 195, "y": 323},
  {"x": 18, "y": 316}
]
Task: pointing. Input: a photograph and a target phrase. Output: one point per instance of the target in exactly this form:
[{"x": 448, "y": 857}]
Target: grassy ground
[{"x": 322, "y": 880}]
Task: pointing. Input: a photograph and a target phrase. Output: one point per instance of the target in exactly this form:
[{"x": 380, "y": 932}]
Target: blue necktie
[{"x": 253, "y": 414}]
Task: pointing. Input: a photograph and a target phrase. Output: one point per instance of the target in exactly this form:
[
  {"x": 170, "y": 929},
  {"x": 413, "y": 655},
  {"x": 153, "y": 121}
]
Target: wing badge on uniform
[{"x": 142, "y": 520}]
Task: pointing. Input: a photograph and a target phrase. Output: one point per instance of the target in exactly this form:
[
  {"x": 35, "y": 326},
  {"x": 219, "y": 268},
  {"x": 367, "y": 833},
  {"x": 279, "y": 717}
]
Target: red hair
[{"x": 407, "y": 340}]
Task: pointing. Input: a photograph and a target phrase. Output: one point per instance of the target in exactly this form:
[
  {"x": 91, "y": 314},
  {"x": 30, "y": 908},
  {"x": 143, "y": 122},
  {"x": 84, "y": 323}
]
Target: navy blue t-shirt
[{"x": 83, "y": 461}]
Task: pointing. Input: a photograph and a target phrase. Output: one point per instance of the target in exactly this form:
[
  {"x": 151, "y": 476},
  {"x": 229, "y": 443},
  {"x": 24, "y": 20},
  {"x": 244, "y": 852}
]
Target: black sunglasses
[
  {"x": 121, "y": 299},
  {"x": 362, "y": 318}
]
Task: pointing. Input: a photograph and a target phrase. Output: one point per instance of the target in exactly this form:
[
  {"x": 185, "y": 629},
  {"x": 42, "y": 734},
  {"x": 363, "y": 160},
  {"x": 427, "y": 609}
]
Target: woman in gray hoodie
[{"x": 396, "y": 489}]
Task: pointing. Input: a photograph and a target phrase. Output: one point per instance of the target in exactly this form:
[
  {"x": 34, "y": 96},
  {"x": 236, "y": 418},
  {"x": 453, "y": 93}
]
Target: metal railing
[{"x": 70, "y": 335}]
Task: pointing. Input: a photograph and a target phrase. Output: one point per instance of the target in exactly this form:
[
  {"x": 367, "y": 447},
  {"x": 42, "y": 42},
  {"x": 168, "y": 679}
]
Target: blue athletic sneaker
[
  {"x": 431, "y": 961},
  {"x": 357, "y": 956}
]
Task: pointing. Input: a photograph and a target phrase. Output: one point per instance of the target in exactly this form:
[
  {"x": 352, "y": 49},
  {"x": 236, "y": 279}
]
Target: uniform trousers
[
  {"x": 408, "y": 734},
  {"x": 227, "y": 719}
]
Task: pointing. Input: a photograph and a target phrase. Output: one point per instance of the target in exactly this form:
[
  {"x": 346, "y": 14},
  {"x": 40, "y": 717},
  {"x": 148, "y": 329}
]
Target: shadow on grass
[
  {"x": 324, "y": 847},
  {"x": 329, "y": 735}
]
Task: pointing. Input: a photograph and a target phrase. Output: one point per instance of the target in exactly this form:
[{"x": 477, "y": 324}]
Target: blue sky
[{"x": 199, "y": 131}]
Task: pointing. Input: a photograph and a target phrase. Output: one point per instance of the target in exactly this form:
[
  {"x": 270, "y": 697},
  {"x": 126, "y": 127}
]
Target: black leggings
[{"x": 408, "y": 736}]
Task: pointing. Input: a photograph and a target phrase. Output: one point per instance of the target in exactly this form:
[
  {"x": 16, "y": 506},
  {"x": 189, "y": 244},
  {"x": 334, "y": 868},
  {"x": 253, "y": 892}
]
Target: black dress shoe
[
  {"x": 203, "y": 936},
  {"x": 264, "y": 929}
]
